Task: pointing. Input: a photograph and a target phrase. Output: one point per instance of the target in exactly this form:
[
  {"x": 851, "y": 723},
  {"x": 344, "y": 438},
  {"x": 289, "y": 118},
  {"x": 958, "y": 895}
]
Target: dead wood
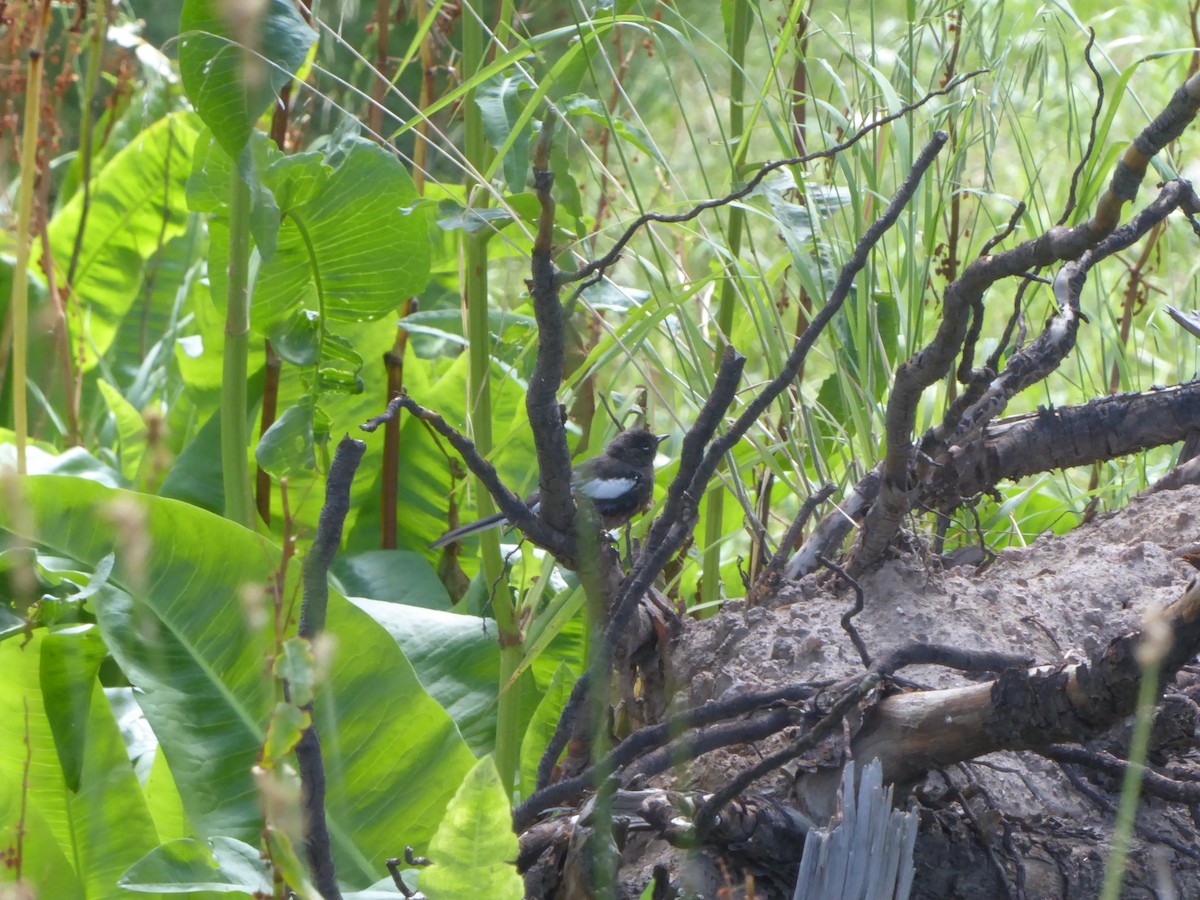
[
  {"x": 1079, "y": 247},
  {"x": 912, "y": 733},
  {"x": 1051, "y": 439}
]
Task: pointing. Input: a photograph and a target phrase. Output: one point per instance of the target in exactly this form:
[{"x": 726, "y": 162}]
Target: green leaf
[
  {"x": 208, "y": 191},
  {"x": 180, "y": 634},
  {"x": 424, "y": 478},
  {"x": 490, "y": 219},
  {"x": 339, "y": 367},
  {"x": 450, "y": 321},
  {"x": 541, "y": 726},
  {"x": 396, "y": 576},
  {"x": 607, "y": 294},
  {"x": 131, "y": 430},
  {"x": 136, "y": 206},
  {"x": 287, "y": 446},
  {"x": 295, "y": 665},
  {"x": 474, "y": 849},
  {"x": 220, "y": 864},
  {"x": 455, "y": 657},
  {"x": 78, "y": 842},
  {"x": 583, "y": 106},
  {"x": 284, "y": 731},
  {"x": 500, "y": 107},
  {"x": 196, "y": 477},
  {"x": 352, "y": 232},
  {"x": 297, "y": 338},
  {"x": 162, "y": 797},
  {"x": 229, "y": 82},
  {"x": 44, "y": 863},
  {"x": 70, "y": 660}
]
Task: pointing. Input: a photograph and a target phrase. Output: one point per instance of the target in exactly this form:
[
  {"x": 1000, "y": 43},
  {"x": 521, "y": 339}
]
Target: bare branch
[
  {"x": 931, "y": 363},
  {"x": 1060, "y": 438},
  {"x": 768, "y": 580},
  {"x": 309, "y": 759},
  {"x": 541, "y": 400},
  {"x": 845, "y": 701},
  {"x": 514, "y": 509}
]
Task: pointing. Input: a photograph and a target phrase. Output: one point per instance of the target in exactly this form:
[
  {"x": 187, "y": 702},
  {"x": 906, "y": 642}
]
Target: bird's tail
[{"x": 462, "y": 531}]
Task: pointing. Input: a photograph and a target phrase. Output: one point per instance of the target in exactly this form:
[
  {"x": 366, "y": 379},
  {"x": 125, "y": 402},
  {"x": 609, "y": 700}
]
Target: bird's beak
[{"x": 661, "y": 437}]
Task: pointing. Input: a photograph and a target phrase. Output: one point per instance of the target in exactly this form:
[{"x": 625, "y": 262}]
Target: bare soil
[{"x": 1009, "y": 824}]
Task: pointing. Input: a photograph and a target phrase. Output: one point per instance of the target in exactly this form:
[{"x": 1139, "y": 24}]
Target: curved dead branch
[{"x": 901, "y": 469}]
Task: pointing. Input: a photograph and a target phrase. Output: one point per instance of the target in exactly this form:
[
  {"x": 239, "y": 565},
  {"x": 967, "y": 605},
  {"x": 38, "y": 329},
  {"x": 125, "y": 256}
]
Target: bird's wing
[{"x": 607, "y": 488}]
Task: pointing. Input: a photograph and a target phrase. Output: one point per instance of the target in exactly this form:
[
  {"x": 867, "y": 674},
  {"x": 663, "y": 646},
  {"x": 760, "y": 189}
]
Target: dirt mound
[{"x": 1008, "y": 824}]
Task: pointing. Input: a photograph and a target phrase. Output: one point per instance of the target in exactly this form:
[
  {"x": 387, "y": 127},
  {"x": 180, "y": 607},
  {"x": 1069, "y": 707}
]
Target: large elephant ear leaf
[
  {"x": 233, "y": 66},
  {"x": 181, "y": 618}
]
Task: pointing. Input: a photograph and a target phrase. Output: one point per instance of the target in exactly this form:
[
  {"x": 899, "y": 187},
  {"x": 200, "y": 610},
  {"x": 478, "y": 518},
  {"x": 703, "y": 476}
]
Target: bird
[{"x": 620, "y": 482}]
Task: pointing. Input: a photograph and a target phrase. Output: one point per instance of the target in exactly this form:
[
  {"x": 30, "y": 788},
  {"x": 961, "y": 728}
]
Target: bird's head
[{"x": 635, "y": 447}]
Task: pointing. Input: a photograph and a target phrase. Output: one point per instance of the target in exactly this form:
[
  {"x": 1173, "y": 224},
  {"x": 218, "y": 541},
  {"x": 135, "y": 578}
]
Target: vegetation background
[{"x": 199, "y": 281}]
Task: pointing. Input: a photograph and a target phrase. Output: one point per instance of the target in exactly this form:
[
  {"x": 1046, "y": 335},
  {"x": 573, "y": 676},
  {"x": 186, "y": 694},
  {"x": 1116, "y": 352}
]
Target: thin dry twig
[{"x": 595, "y": 269}]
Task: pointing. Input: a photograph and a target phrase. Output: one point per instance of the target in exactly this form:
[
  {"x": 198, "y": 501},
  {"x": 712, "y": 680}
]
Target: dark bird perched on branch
[{"x": 620, "y": 482}]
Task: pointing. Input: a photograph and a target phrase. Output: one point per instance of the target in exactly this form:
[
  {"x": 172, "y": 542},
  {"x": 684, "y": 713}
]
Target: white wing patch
[{"x": 607, "y": 488}]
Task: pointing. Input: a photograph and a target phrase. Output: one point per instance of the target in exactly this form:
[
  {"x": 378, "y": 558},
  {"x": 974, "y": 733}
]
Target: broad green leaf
[
  {"x": 581, "y": 105},
  {"x": 352, "y": 233},
  {"x": 297, "y": 338},
  {"x": 136, "y": 734},
  {"x": 455, "y": 657},
  {"x": 196, "y": 477},
  {"x": 396, "y": 576},
  {"x": 199, "y": 350},
  {"x": 488, "y": 220},
  {"x": 295, "y": 664},
  {"x": 424, "y": 477},
  {"x": 209, "y": 186},
  {"x": 220, "y": 864},
  {"x": 163, "y": 800},
  {"x": 44, "y": 864},
  {"x": 116, "y": 128},
  {"x": 393, "y": 757},
  {"x": 450, "y": 320},
  {"x": 474, "y": 850},
  {"x": 70, "y": 660},
  {"x": 136, "y": 206},
  {"x": 103, "y": 827},
  {"x": 233, "y": 70},
  {"x": 144, "y": 344}
]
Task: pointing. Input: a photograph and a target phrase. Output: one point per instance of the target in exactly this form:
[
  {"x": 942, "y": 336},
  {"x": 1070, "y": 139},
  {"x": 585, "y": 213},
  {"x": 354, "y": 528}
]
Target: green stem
[
  {"x": 314, "y": 393},
  {"x": 20, "y": 283},
  {"x": 479, "y": 414},
  {"x": 1131, "y": 786},
  {"x": 714, "y": 514},
  {"x": 592, "y": 578},
  {"x": 234, "y": 428}
]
